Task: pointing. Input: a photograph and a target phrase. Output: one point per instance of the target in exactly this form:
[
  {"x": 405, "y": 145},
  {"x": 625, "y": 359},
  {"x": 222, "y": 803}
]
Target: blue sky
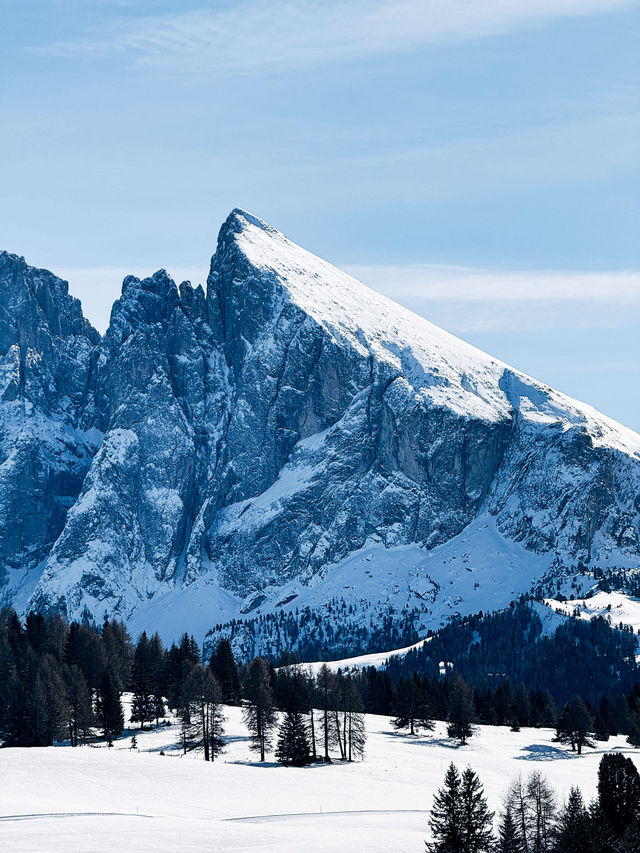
[{"x": 477, "y": 161}]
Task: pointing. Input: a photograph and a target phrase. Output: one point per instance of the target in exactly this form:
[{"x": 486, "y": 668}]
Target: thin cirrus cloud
[
  {"x": 272, "y": 35},
  {"x": 470, "y": 300},
  {"x": 460, "y": 299}
]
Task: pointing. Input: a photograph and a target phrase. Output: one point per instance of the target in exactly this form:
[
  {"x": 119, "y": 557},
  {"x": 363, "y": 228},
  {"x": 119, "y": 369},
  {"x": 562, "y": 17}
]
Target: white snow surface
[
  {"x": 616, "y": 606},
  {"x": 442, "y": 368},
  {"x": 64, "y": 800}
]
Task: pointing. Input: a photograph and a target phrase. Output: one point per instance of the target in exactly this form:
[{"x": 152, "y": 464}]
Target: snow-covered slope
[
  {"x": 60, "y": 799},
  {"x": 290, "y": 437},
  {"x": 618, "y": 607}
]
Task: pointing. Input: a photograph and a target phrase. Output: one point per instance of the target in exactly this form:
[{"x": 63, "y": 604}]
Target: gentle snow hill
[
  {"x": 60, "y": 799},
  {"x": 285, "y": 439},
  {"x": 616, "y": 606}
]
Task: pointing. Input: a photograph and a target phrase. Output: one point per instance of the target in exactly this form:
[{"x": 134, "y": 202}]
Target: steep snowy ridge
[{"x": 288, "y": 438}]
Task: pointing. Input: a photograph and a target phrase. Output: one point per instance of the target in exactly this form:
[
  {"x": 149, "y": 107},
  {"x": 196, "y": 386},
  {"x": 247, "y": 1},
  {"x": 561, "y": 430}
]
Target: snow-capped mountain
[{"x": 286, "y": 438}]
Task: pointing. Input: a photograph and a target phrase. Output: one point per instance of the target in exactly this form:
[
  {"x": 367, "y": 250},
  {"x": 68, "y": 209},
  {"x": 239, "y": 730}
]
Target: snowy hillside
[
  {"x": 62, "y": 799},
  {"x": 616, "y": 606},
  {"x": 286, "y": 441}
]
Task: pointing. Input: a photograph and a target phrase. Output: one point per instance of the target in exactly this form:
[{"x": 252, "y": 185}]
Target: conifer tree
[
  {"x": 476, "y": 819},
  {"x": 49, "y": 705},
  {"x": 574, "y": 725},
  {"x": 410, "y": 707},
  {"x": 618, "y": 792},
  {"x": 508, "y": 836},
  {"x": 225, "y": 669},
  {"x": 634, "y": 736},
  {"x": 461, "y": 713},
  {"x": 80, "y": 706},
  {"x": 600, "y": 728},
  {"x": 109, "y": 706},
  {"x": 143, "y": 708},
  {"x": 445, "y": 821},
  {"x": 293, "y": 746},
  {"x": 573, "y": 832},
  {"x": 259, "y": 713}
]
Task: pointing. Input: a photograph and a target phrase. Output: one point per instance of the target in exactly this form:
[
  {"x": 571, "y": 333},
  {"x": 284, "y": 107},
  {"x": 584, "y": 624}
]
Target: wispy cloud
[
  {"x": 460, "y": 299},
  {"x": 468, "y": 300},
  {"x": 271, "y": 35}
]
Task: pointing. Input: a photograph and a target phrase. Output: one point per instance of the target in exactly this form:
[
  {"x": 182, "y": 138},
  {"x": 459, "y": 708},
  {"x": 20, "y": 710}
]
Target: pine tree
[
  {"x": 293, "y": 746},
  {"x": 259, "y": 713},
  {"x": 476, "y": 819},
  {"x": 110, "y": 711},
  {"x": 508, "y": 836},
  {"x": 630, "y": 842},
  {"x": 143, "y": 708},
  {"x": 575, "y": 725},
  {"x": 225, "y": 669},
  {"x": 600, "y": 728},
  {"x": 461, "y": 711},
  {"x": 618, "y": 792},
  {"x": 445, "y": 821},
  {"x": 49, "y": 704},
  {"x": 634, "y": 736},
  {"x": 80, "y": 706},
  {"x": 410, "y": 707},
  {"x": 573, "y": 833}
]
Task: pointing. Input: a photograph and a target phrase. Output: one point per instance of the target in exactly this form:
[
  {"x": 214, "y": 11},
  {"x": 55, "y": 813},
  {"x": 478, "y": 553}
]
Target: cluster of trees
[
  {"x": 586, "y": 658},
  {"x": 532, "y": 821},
  {"x": 416, "y": 701},
  {"x": 333, "y": 632},
  {"x": 61, "y": 682}
]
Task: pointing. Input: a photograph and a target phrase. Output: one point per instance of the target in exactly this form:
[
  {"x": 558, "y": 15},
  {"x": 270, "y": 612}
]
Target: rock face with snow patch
[{"x": 258, "y": 436}]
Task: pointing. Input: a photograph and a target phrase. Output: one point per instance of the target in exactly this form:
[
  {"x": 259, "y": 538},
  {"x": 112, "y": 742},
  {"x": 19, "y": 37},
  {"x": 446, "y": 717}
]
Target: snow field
[{"x": 98, "y": 799}]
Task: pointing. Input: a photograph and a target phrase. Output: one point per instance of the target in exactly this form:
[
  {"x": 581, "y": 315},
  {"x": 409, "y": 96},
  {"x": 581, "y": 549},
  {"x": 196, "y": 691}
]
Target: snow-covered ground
[
  {"x": 616, "y": 605},
  {"x": 98, "y": 799}
]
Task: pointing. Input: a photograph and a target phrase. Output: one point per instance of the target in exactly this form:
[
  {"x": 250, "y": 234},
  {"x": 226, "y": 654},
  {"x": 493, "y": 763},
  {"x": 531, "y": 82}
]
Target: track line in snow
[
  {"x": 260, "y": 817},
  {"x": 41, "y": 815}
]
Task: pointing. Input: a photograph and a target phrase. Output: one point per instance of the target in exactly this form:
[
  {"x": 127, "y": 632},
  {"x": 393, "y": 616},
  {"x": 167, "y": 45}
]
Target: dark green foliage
[
  {"x": 411, "y": 707},
  {"x": 224, "y": 667},
  {"x": 293, "y": 746},
  {"x": 445, "y": 820},
  {"x": 461, "y": 712},
  {"x": 109, "y": 706},
  {"x": 600, "y": 728},
  {"x": 573, "y": 832},
  {"x": 579, "y": 658},
  {"x": 618, "y": 792},
  {"x": 575, "y": 725},
  {"x": 460, "y": 821},
  {"x": 634, "y": 734},
  {"x": 477, "y": 820},
  {"x": 259, "y": 713},
  {"x": 508, "y": 836},
  {"x": 143, "y": 706}
]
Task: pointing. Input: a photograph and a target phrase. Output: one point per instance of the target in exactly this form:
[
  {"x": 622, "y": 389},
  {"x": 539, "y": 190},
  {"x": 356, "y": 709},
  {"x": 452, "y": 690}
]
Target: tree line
[
  {"x": 61, "y": 682},
  {"x": 64, "y": 682},
  {"x": 578, "y": 657},
  {"x": 532, "y": 821}
]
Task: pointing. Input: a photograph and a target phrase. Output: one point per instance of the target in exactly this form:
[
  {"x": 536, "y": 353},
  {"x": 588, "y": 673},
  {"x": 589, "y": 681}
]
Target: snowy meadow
[{"x": 152, "y": 798}]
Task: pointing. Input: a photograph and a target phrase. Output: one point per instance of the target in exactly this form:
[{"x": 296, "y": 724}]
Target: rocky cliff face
[{"x": 287, "y": 437}]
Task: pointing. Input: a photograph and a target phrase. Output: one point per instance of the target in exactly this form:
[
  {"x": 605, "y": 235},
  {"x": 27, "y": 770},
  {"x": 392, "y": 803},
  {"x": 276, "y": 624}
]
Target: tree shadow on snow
[
  {"x": 424, "y": 740},
  {"x": 544, "y": 752}
]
